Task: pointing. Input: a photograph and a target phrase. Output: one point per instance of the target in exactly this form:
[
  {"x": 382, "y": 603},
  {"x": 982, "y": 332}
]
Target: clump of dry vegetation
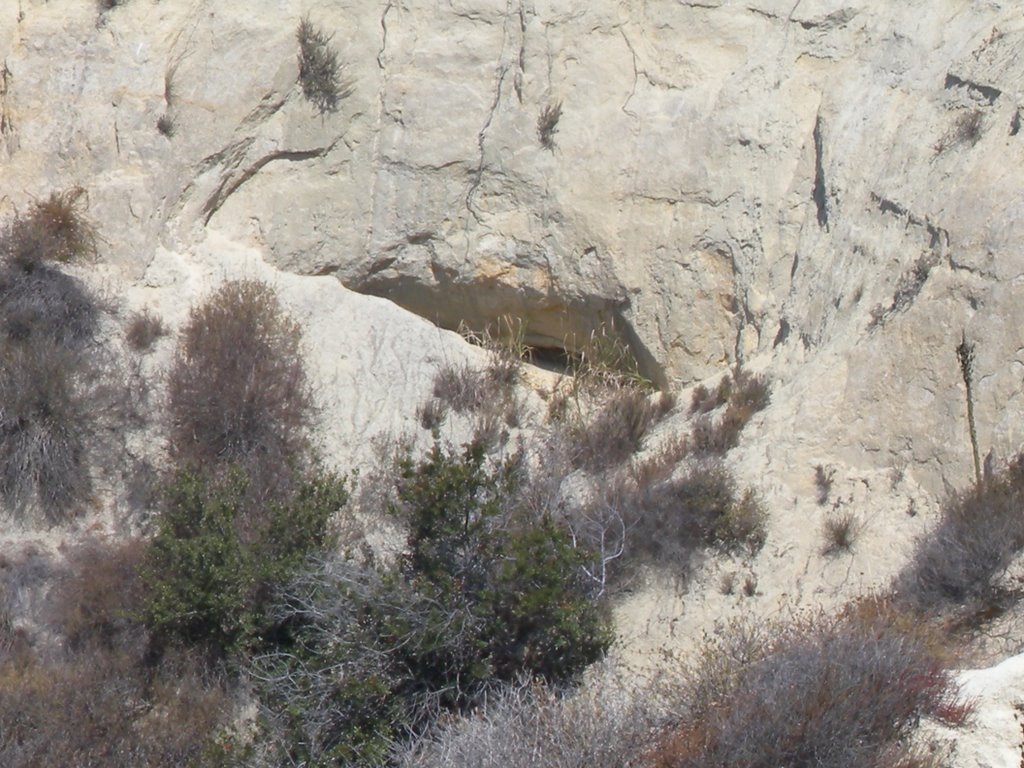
[
  {"x": 143, "y": 330},
  {"x": 959, "y": 566},
  {"x": 743, "y": 395},
  {"x": 63, "y": 396},
  {"x": 824, "y": 691},
  {"x": 237, "y": 392}
]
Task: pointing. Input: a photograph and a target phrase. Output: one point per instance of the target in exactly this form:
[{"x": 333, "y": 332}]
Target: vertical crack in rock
[
  {"x": 521, "y": 71},
  {"x": 381, "y": 111},
  {"x": 8, "y": 134},
  {"x": 636, "y": 74},
  {"x": 819, "y": 192},
  {"x": 502, "y": 69},
  {"x": 384, "y": 35}
]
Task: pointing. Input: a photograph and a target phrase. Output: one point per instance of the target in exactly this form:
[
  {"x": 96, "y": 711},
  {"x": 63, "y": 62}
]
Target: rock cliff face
[{"x": 827, "y": 191}]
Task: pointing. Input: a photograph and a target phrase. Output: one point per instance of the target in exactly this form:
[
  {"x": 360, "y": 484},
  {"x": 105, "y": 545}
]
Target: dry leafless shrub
[
  {"x": 102, "y": 707},
  {"x": 705, "y": 400},
  {"x": 489, "y": 393},
  {"x": 98, "y": 599},
  {"x": 667, "y": 524},
  {"x": 748, "y": 394},
  {"x": 959, "y": 564},
  {"x": 606, "y": 724},
  {"x": 143, "y": 329},
  {"x": 59, "y": 412},
  {"x": 817, "y": 691},
  {"x": 54, "y": 229},
  {"x": 238, "y": 393},
  {"x": 44, "y": 304},
  {"x": 616, "y": 431},
  {"x": 319, "y": 69}
]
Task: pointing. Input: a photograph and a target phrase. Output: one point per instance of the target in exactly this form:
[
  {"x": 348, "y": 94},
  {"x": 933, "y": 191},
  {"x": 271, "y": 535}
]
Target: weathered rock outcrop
[
  {"x": 827, "y": 190},
  {"x": 728, "y": 182}
]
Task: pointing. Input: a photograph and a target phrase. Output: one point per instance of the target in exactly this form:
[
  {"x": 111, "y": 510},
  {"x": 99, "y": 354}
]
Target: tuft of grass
[
  {"x": 841, "y": 531},
  {"x": 165, "y": 124},
  {"x": 143, "y": 329},
  {"x": 966, "y": 130},
  {"x": 319, "y": 69},
  {"x": 547, "y": 125}
]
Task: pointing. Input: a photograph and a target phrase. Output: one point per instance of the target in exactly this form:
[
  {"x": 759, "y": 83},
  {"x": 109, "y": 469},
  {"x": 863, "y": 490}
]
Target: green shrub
[
  {"x": 319, "y": 69},
  {"x": 216, "y": 557},
  {"x": 484, "y": 593},
  {"x": 237, "y": 391},
  {"x": 820, "y": 691}
]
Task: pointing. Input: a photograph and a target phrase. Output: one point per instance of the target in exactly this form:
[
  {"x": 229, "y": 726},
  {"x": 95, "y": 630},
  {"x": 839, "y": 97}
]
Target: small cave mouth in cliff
[{"x": 556, "y": 359}]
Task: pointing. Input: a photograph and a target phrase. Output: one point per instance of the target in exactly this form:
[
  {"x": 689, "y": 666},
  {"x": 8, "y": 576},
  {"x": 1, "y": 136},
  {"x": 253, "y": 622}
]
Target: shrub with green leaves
[
  {"x": 216, "y": 558},
  {"x": 319, "y": 69},
  {"x": 485, "y": 592}
]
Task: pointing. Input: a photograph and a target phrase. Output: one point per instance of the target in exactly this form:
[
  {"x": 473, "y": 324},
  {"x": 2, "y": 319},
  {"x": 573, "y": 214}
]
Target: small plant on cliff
[
  {"x": 547, "y": 125},
  {"x": 54, "y": 229},
  {"x": 319, "y": 69}
]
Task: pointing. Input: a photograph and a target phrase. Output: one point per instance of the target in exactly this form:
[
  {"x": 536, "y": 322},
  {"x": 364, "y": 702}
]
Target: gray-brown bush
[
  {"x": 748, "y": 394},
  {"x": 143, "y": 329},
  {"x": 238, "y": 392},
  {"x": 606, "y": 724},
  {"x": 57, "y": 408},
  {"x": 54, "y": 229},
  {"x": 828, "y": 692},
  {"x": 667, "y": 523},
  {"x": 959, "y": 564},
  {"x": 615, "y": 432}
]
